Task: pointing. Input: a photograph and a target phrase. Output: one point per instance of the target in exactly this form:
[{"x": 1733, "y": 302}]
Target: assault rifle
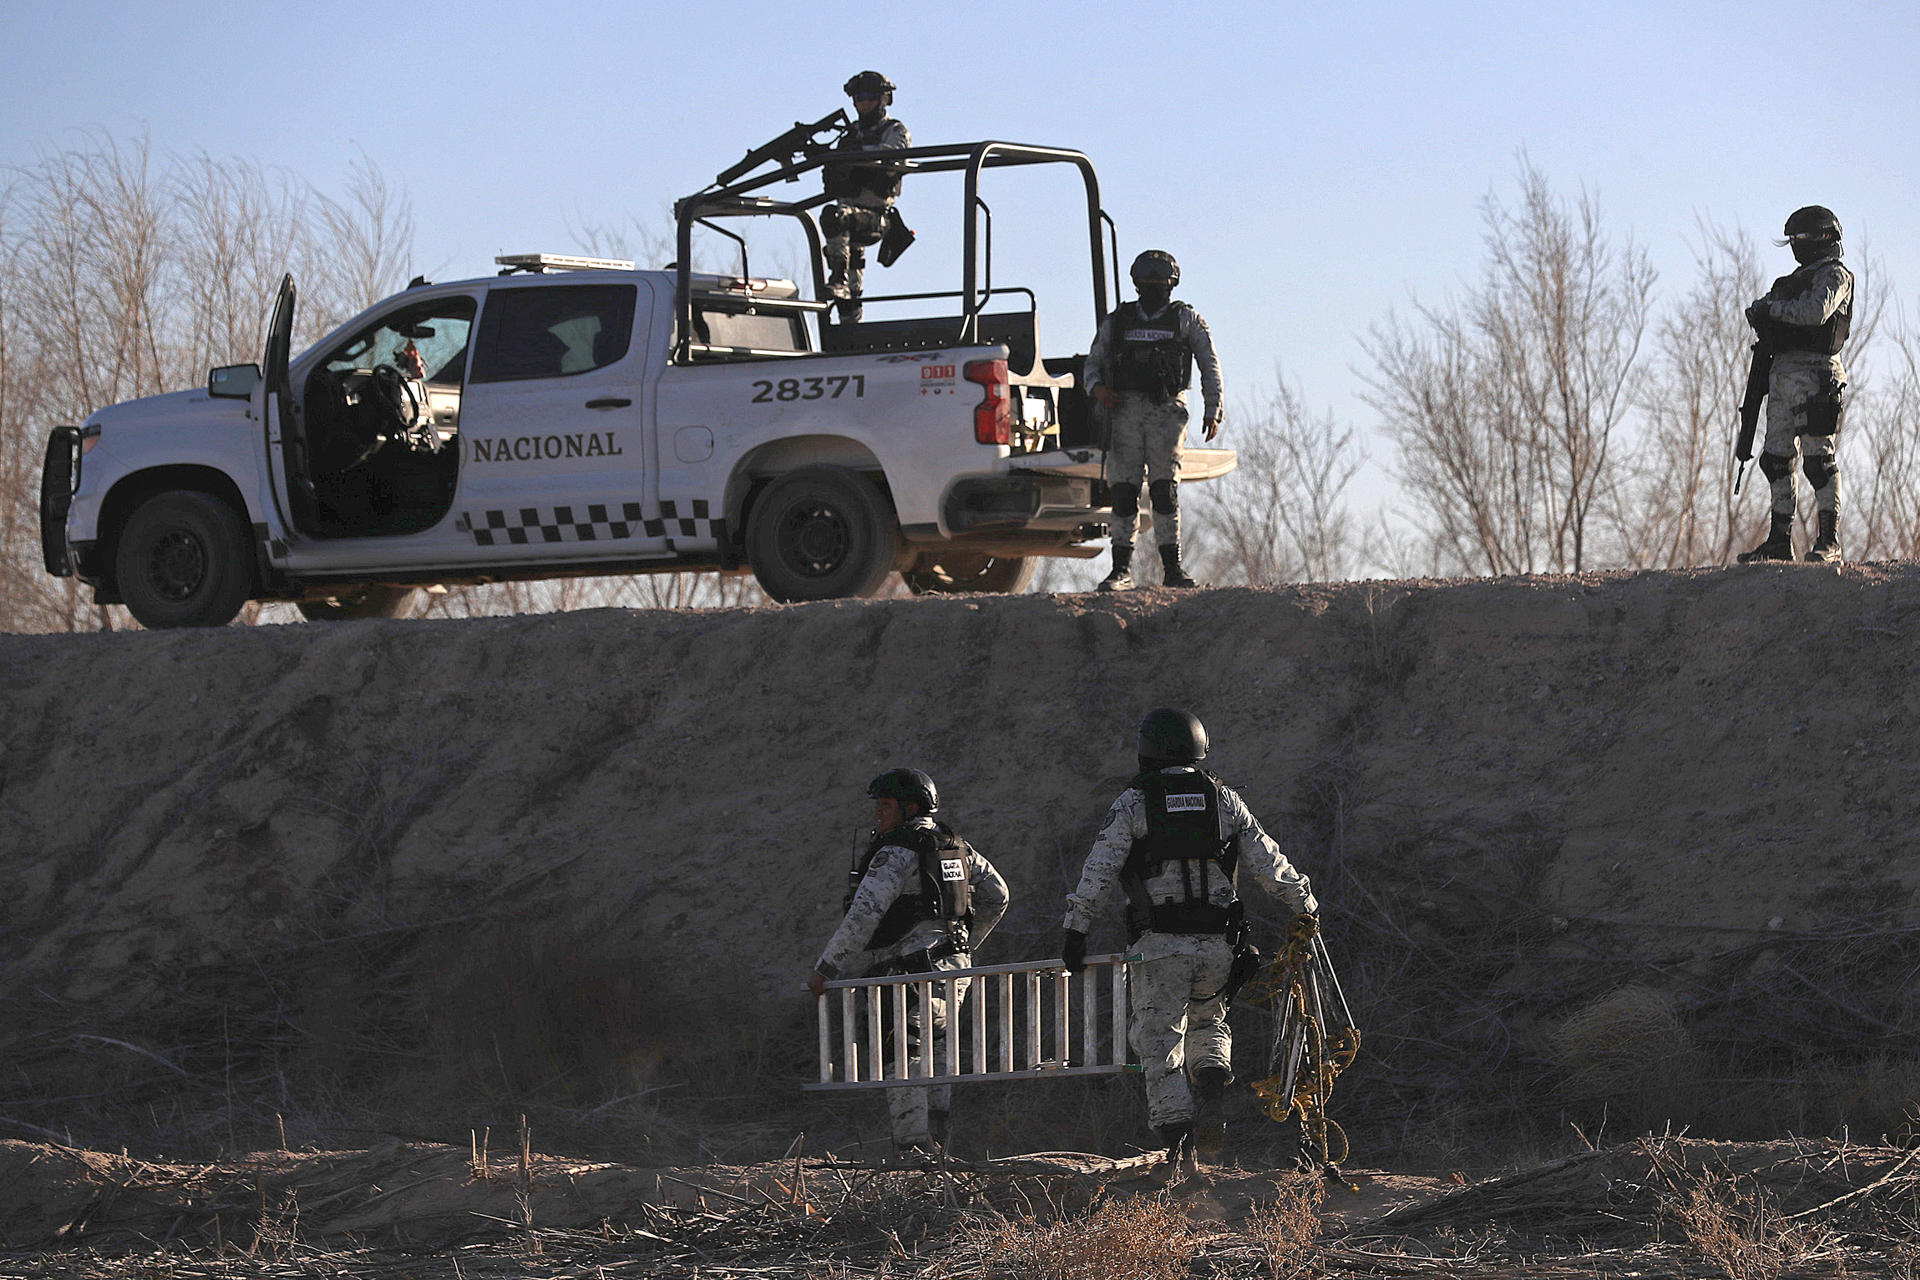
[
  {"x": 1757, "y": 374},
  {"x": 794, "y": 143}
]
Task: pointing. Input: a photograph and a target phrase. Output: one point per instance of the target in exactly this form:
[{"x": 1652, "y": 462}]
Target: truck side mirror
[{"x": 233, "y": 381}]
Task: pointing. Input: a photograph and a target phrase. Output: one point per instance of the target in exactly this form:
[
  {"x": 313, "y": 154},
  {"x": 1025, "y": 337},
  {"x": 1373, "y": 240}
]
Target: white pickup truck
[{"x": 574, "y": 416}]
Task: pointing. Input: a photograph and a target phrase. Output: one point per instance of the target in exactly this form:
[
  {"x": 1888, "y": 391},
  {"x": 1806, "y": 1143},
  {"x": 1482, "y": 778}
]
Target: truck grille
[{"x": 59, "y": 478}]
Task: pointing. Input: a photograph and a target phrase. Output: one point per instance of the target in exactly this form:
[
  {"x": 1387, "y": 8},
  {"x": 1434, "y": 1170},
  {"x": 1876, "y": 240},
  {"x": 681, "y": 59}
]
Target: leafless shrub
[
  {"x": 1737, "y": 1228},
  {"x": 1145, "y": 1238},
  {"x": 1676, "y": 505},
  {"x": 1281, "y": 515},
  {"x": 1285, "y": 1230},
  {"x": 277, "y": 1232},
  {"x": 685, "y": 590},
  {"x": 1881, "y": 458}
]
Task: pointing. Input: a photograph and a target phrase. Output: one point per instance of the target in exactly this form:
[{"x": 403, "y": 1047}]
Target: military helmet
[
  {"x": 1168, "y": 733},
  {"x": 1155, "y": 264},
  {"x": 870, "y": 82},
  {"x": 1815, "y": 222},
  {"x": 909, "y": 786}
]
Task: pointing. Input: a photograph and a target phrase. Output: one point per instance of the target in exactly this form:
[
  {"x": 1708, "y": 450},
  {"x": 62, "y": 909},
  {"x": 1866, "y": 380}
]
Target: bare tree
[
  {"x": 122, "y": 276},
  {"x": 1674, "y": 505},
  {"x": 1281, "y": 515},
  {"x": 1880, "y": 446},
  {"x": 1504, "y": 403},
  {"x": 368, "y": 242}
]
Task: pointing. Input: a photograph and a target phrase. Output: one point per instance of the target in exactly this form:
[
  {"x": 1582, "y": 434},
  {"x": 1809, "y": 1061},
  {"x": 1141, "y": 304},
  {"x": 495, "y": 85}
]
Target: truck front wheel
[
  {"x": 821, "y": 533},
  {"x": 947, "y": 572},
  {"x": 183, "y": 560}
]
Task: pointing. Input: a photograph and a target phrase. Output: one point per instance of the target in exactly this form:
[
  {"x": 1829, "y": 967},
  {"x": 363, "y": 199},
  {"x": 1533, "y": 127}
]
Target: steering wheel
[{"x": 403, "y": 415}]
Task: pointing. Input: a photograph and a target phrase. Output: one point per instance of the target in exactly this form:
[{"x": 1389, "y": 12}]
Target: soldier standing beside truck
[
  {"x": 862, "y": 211},
  {"x": 1802, "y": 323},
  {"x": 1139, "y": 369},
  {"x": 921, "y": 900}
]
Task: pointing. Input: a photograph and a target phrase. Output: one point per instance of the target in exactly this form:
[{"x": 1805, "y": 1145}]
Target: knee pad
[
  {"x": 833, "y": 220},
  {"x": 1126, "y": 501},
  {"x": 1776, "y": 466},
  {"x": 1166, "y": 500},
  {"x": 1819, "y": 468}
]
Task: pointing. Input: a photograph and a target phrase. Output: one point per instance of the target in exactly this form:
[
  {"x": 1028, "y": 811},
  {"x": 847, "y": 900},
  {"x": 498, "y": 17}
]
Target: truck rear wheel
[
  {"x": 939, "y": 573},
  {"x": 362, "y": 602},
  {"x": 821, "y": 533},
  {"x": 183, "y": 560}
]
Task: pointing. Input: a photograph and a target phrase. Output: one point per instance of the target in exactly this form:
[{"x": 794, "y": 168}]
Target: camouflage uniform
[
  {"x": 1177, "y": 1020},
  {"x": 858, "y": 215},
  {"x": 895, "y": 870},
  {"x": 1801, "y": 379},
  {"x": 1146, "y": 436}
]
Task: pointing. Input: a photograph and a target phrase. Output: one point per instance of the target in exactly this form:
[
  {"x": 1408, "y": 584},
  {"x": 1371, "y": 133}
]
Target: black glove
[
  {"x": 1759, "y": 314},
  {"x": 1073, "y": 950}
]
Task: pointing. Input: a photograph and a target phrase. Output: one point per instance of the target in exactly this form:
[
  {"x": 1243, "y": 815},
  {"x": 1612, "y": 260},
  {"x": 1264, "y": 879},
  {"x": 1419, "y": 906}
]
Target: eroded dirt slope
[{"x": 1631, "y": 766}]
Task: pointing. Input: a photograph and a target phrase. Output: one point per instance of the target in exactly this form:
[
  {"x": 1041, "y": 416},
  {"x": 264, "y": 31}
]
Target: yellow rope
[{"x": 1285, "y": 980}]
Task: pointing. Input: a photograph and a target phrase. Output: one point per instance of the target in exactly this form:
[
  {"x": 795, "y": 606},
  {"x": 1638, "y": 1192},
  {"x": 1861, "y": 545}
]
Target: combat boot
[
  {"x": 1210, "y": 1125},
  {"x": 1182, "y": 1161},
  {"x": 1171, "y": 574},
  {"x": 1120, "y": 577},
  {"x": 1826, "y": 547},
  {"x": 1778, "y": 545}
]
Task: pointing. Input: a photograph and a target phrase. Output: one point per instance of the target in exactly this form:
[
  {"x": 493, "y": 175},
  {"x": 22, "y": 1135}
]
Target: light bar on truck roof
[{"x": 538, "y": 262}]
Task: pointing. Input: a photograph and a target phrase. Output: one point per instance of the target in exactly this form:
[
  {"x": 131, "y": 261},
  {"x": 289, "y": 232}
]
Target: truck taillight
[{"x": 993, "y": 416}]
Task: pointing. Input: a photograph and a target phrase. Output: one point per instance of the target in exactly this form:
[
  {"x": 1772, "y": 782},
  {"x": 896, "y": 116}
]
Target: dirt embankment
[{"x": 568, "y": 847}]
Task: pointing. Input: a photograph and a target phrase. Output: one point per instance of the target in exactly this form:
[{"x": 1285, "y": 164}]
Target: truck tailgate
[{"x": 1085, "y": 462}]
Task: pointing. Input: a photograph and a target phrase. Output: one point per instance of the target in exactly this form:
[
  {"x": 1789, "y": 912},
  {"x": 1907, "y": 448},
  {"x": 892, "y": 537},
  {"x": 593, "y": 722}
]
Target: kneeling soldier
[
  {"x": 1175, "y": 842},
  {"x": 925, "y": 898}
]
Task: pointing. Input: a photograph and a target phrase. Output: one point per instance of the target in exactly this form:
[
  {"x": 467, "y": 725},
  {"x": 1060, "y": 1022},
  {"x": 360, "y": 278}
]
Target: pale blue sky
[{"x": 1308, "y": 164}]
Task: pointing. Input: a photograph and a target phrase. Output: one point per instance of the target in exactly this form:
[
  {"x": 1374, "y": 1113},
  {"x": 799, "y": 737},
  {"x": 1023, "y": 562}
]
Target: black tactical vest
[
  {"x": 1822, "y": 339},
  {"x": 1183, "y": 827},
  {"x": 844, "y": 180},
  {"x": 1149, "y": 355},
  {"x": 942, "y": 891}
]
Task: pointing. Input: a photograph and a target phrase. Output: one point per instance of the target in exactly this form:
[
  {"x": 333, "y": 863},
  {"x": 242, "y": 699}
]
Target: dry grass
[
  {"x": 1735, "y": 1226},
  {"x": 1285, "y": 1230},
  {"x": 1620, "y": 1044},
  {"x": 1145, "y": 1238}
]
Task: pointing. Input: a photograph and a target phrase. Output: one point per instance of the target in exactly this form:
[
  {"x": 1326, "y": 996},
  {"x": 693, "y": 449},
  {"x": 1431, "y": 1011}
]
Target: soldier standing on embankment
[{"x": 1803, "y": 322}]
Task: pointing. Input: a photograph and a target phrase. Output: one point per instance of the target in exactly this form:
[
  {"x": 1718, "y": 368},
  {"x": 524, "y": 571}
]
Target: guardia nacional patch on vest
[
  {"x": 1186, "y": 804},
  {"x": 939, "y": 888},
  {"x": 1149, "y": 355}
]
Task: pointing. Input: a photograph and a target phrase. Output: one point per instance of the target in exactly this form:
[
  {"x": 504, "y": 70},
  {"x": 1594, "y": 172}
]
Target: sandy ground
[{"x": 1652, "y": 1207}]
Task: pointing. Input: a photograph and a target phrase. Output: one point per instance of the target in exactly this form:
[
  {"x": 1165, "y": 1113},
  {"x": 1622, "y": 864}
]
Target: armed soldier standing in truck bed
[
  {"x": 1175, "y": 843},
  {"x": 1139, "y": 369},
  {"x": 1803, "y": 322},
  {"x": 862, "y": 211},
  {"x": 924, "y": 899}
]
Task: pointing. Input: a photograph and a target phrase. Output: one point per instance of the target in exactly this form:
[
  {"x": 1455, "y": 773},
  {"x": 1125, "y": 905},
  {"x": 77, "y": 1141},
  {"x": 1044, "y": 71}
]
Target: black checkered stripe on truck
[{"x": 591, "y": 522}]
